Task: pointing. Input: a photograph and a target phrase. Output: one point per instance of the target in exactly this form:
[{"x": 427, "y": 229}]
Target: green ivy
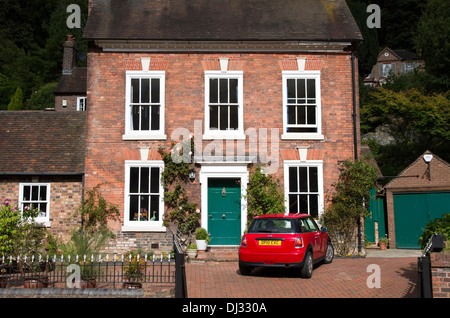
[
  {"x": 179, "y": 210},
  {"x": 263, "y": 195}
]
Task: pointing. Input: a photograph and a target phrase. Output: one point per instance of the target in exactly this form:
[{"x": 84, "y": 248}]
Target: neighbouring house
[
  {"x": 419, "y": 194},
  {"x": 255, "y": 82},
  {"x": 42, "y": 165},
  {"x": 392, "y": 62},
  {"x": 70, "y": 93}
]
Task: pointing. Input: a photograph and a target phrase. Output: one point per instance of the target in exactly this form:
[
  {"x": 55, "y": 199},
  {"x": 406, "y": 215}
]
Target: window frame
[
  {"x": 131, "y": 134},
  {"x": 316, "y": 75},
  {"x": 142, "y": 226},
  {"x": 309, "y": 163},
  {"x": 42, "y": 220},
  {"x": 81, "y": 106},
  {"x": 238, "y": 134}
]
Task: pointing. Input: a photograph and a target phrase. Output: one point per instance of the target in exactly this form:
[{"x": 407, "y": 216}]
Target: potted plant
[
  {"x": 201, "y": 239},
  {"x": 38, "y": 270},
  {"x": 3, "y": 278},
  {"x": 134, "y": 270},
  {"x": 383, "y": 242},
  {"x": 192, "y": 251}
]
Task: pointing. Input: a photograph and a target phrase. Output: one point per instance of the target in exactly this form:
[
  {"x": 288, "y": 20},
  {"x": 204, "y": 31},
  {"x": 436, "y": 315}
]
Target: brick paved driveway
[{"x": 343, "y": 278}]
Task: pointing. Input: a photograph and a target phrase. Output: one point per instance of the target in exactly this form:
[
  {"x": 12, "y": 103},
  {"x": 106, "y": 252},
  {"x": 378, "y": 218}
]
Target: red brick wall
[
  {"x": 440, "y": 274},
  {"x": 106, "y": 151}
]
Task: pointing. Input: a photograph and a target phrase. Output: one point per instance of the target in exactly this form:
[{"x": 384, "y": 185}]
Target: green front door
[{"x": 224, "y": 211}]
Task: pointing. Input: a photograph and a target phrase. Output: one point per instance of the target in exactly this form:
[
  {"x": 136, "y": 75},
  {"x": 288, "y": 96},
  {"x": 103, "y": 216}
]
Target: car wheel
[
  {"x": 245, "y": 270},
  {"x": 307, "y": 269},
  {"x": 329, "y": 255}
]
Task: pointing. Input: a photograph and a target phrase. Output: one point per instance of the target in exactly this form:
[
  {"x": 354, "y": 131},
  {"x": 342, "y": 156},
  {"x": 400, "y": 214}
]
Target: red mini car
[{"x": 292, "y": 240}]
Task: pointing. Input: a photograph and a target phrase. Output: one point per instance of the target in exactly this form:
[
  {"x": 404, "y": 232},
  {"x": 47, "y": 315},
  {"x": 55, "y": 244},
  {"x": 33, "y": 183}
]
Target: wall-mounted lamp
[
  {"x": 427, "y": 158},
  {"x": 192, "y": 175}
]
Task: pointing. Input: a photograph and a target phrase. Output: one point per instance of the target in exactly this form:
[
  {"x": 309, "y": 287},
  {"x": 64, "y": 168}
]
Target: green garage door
[{"x": 413, "y": 211}]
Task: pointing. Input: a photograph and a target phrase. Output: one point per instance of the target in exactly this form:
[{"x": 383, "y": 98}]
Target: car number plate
[{"x": 270, "y": 242}]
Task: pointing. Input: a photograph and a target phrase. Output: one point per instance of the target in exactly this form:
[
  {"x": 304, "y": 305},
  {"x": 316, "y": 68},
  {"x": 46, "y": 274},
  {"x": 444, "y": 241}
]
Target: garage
[
  {"x": 418, "y": 195},
  {"x": 413, "y": 211}
]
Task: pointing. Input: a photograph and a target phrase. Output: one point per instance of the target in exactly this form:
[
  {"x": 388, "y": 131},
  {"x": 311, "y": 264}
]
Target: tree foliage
[
  {"x": 263, "y": 195},
  {"x": 349, "y": 203}
]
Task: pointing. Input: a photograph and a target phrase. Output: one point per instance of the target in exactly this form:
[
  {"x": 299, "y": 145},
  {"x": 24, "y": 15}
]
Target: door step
[{"x": 219, "y": 254}]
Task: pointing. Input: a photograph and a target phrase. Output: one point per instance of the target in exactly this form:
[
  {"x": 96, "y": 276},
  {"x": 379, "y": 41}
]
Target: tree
[
  {"x": 263, "y": 196},
  {"x": 349, "y": 203},
  {"x": 42, "y": 98},
  {"x": 16, "y": 102},
  {"x": 432, "y": 40}
]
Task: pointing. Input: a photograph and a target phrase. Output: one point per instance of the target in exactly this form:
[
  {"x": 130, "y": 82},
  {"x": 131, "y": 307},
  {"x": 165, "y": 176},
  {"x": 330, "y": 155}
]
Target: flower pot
[
  {"x": 192, "y": 253},
  {"x": 132, "y": 285},
  {"x": 36, "y": 282},
  {"x": 383, "y": 246},
  {"x": 201, "y": 245}
]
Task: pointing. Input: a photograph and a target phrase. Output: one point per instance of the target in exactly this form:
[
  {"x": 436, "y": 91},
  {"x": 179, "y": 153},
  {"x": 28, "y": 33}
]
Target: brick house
[
  {"x": 255, "y": 82},
  {"x": 419, "y": 194},
  {"x": 42, "y": 164},
  {"x": 70, "y": 93},
  {"x": 392, "y": 62}
]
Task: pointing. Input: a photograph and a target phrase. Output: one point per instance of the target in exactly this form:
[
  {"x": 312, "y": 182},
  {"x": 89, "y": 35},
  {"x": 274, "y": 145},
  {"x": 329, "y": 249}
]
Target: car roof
[{"x": 280, "y": 215}]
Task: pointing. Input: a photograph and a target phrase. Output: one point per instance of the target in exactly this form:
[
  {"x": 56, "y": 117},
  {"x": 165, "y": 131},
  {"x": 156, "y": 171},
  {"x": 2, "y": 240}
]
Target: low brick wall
[{"x": 440, "y": 274}]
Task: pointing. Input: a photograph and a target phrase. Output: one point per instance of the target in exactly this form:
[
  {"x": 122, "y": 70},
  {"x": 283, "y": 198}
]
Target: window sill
[
  {"x": 143, "y": 228},
  {"x": 298, "y": 136},
  {"x": 144, "y": 137}
]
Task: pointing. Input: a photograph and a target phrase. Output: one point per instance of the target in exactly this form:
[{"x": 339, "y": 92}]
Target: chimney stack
[{"x": 70, "y": 55}]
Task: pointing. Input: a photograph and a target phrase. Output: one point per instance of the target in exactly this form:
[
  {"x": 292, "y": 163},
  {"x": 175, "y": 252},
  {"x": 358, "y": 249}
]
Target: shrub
[{"x": 439, "y": 225}]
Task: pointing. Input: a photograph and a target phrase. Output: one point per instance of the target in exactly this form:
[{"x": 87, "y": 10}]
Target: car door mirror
[{"x": 324, "y": 229}]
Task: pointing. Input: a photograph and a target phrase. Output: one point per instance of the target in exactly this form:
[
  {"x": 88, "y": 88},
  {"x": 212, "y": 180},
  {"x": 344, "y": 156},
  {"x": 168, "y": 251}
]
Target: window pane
[
  {"x": 145, "y": 90},
  {"x": 291, "y": 88},
  {"x": 155, "y": 90},
  {"x": 154, "y": 207},
  {"x": 27, "y": 193},
  {"x": 134, "y": 180},
  {"x": 311, "y": 88},
  {"x": 304, "y": 203},
  {"x": 144, "y": 208},
  {"x": 213, "y": 90},
  {"x": 311, "y": 115},
  {"x": 154, "y": 179},
  {"x": 145, "y": 175},
  {"x": 145, "y": 117},
  {"x": 301, "y": 115},
  {"x": 135, "y": 90},
  {"x": 233, "y": 90},
  {"x": 301, "y": 88},
  {"x": 293, "y": 179},
  {"x": 313, "y": 180},
  {"x": 293, "y": 204},
  {"x": 224, "y": 90},
  {"x": 303, "y": 177},
  {"x": 34, "y": 193},
  {"x": 134, "y": 206},
  {"x": 155, "y": 117},
  {"x": 135, "y": 117},
  {"x": 314, "y": 205},
  {"x": 213, "y": 117},
  {"x": 234, "y": 117},
  {"x": 291, "y": 115},
  {"x": 223, "y": 117},
  {"x": 43, "y": 193}
]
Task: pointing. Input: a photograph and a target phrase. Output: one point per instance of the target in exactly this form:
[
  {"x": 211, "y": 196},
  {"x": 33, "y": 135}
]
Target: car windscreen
[{"x": 273, "y": 225}]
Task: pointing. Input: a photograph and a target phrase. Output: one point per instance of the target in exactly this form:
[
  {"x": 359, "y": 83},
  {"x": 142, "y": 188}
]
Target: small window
[
  {"x": 81, "y": 103},
  {"x": 224, "y": 105},
  {"x": 301, "y": 105},
  {"x": 36, "y": 196},
  {"x": 144, "y": 195},
  {"x": 145, "y": 105}
]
